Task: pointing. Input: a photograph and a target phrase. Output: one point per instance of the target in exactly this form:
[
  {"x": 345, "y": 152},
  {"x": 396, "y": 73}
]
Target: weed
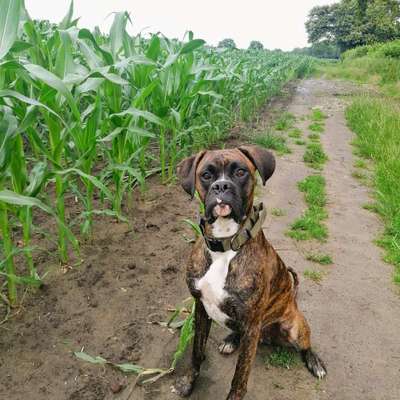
[
  {"x": 360, "y": 164},
  {"x": 315, "y": 137},
  {"x": 295, "y": 133},
  {"x": 323, "y": 259},
  {"x": 316, "y": 127},
  {"x": 274, "y": 142},
  {"x": 285, "y": 121},
  {"x": 300, "y": 142},
  {"x": 278, "y": 212},
  {"x": 309, "y": 225},
  {"x": 373, "y": 207},
  {"x": 318, "y": 115},
  {"x": 315, "y": 276},
  {"x": 314, "y": 156},
  {"x": 282, "y": 357}
]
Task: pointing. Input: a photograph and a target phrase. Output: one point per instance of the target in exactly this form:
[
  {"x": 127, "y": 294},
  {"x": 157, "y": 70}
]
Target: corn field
[{"x": 92, "y": 115}]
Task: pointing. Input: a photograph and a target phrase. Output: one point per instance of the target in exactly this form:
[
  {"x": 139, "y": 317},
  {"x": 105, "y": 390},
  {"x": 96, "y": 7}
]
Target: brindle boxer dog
[{"x": 234, "y": 274}]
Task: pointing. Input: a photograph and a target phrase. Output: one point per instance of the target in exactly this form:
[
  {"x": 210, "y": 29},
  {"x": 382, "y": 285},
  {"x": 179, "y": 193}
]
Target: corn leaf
[
  {"x": 54, "y": 82},
  {"x": 9, "y": 20}
]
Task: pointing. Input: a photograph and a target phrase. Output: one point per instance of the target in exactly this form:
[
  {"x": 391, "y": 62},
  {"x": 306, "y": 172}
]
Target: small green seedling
[
  {"x": 315, "y": 276},
  {"x": 323, "y": 259}
]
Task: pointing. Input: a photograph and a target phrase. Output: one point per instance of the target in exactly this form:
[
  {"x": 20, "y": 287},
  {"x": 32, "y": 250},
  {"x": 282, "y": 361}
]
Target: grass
[
  {"x": 315, "y": 137},
  {"x": 300, "y": 142},
  {"x": 309, "y": 225},
  {"x": 282, "y": 357},
  {"x": 360, "y": 164},
  {"x": 373, "y": 207},
  {"x": 323, "y": 259},
  {"x": 316, "y": 127},
  {"x": 362, "y": 177},
  {"x": 317, "y": 115},
  {"x": 285, "y": 121},
  {"x": 274, "y": 142},
  {"x": 314, "y": 156},
  {"x": 315, "y": 276},
  {"x": 278, "y": 212},
  {"x": 377, "y": 125},
  {"x": 295, "y": 133}
]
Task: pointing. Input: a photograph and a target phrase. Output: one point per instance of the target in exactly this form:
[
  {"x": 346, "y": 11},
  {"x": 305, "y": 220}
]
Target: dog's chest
[{"x": 212, "y": 285}]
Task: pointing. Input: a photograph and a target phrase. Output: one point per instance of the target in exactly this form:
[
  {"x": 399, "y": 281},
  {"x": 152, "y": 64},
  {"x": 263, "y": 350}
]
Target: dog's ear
[
  {"x": 186, "y": 171},
  {"x": 262, "y": 159}
]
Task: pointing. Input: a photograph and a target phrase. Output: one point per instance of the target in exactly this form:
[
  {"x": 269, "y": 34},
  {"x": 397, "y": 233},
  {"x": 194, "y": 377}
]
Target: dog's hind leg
[
  {"x": 230, "y": 344},
  {"x": 297, "y": 332},
  {"x": 202, "y": 324}
]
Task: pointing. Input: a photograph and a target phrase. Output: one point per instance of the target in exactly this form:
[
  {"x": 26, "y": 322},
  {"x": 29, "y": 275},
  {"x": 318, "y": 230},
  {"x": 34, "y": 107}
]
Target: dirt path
[
  {"x": 354, "y": 313},
  {"x": 129, "y": 278}
]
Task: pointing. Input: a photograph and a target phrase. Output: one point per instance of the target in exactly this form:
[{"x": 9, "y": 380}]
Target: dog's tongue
[{"x": 222, "y": 210}]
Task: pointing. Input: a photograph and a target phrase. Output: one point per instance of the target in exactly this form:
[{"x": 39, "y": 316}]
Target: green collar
[{"x": 250, "y": 228}]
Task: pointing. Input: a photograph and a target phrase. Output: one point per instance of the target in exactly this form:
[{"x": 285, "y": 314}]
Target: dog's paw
[
  {"x": 314, "y": 364},
  {"x": 230, "y": 344},
  {"x": 183, "y": 386}
]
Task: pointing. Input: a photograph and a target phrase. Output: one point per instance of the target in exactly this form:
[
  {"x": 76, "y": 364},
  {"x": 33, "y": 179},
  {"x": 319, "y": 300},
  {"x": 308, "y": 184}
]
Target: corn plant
[{"x": 90, "y": 116}]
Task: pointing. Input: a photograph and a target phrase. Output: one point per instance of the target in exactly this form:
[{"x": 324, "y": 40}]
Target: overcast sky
[{"x": 277, "y": 24}]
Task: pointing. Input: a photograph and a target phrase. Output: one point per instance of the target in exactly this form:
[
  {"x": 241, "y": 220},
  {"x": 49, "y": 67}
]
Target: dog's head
[{"x": 225, "y": 179}]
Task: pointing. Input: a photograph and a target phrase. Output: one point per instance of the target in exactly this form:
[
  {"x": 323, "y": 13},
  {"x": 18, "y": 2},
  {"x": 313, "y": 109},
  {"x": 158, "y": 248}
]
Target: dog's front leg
[
  {"x": 247, "y": 352},
  {"x": 202, "y": 324}
]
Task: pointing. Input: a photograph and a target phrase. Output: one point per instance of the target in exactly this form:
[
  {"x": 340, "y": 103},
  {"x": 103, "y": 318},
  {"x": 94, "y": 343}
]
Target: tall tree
[{"x": 351, "y": 23}]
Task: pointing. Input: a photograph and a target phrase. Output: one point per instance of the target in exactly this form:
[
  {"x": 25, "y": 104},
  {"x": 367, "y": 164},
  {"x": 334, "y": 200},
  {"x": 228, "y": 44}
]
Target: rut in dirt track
[{"x": 354, "y": 312}]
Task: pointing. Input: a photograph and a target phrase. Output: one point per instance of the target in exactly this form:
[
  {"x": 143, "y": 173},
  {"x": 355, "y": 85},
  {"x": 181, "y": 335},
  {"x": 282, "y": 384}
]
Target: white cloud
[{"x": 277, "y": 24}]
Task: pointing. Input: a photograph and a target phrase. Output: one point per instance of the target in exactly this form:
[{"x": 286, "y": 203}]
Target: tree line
[{"x": 335, "y": 28}]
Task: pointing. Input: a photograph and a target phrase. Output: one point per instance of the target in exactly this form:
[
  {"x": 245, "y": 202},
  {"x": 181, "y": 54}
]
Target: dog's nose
[{"x": 220, "y": 186}]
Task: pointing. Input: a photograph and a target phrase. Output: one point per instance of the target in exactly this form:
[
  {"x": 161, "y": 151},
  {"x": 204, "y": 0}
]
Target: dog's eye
[
  {"x": 240, "y": 172},
  {"x": 206, "y": 176}
]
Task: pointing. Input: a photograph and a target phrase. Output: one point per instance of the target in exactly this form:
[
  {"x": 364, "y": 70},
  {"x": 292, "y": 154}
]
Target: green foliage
[
  {"x": 93, "y": 115},
  {"x": 377, "y": 125},
  {"x": 314, "y": 137},
  {"x": 272, "y": 141},
  {"x": 351, "y": 23},
  {"x": 282, "y": 357},
  {"x": 295, "y": 133},
  {"x": 256, "y": 45},
  {"x": 315, "y": 276},
  {"x": 317, "y": 115},
  {"x": 313, "y": 188},
  {"x": 285, "y": 121},
  {"x": 278, "y": 212},
  {"x": 316, "y": 127},
  {"x": 323, "y": 259},
  {"x": 300, "y": 142},
  {"x": 309, "y": 225},
  {"x": 320, "y": 50},
  {"x": 227, "y": 44},
  {"x": 314, "y": 156}
]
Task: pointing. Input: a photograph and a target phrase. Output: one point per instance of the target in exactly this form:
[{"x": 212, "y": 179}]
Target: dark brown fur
[{"x": 262, "y": 297}]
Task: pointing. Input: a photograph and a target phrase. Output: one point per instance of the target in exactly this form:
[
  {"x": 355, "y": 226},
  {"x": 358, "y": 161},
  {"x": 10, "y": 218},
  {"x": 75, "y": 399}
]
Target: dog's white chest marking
[{"x": 212, "y": 283}]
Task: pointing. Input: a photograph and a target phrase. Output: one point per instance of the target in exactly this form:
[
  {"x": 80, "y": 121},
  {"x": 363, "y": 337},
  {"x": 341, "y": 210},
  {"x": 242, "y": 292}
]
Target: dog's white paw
[
  {"x": 314, "y": 364},
  {"x": 227, "y": 348}
]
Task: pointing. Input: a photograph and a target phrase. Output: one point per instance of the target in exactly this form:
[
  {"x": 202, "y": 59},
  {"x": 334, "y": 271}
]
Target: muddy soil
[{"x": 130, "y": 278}]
